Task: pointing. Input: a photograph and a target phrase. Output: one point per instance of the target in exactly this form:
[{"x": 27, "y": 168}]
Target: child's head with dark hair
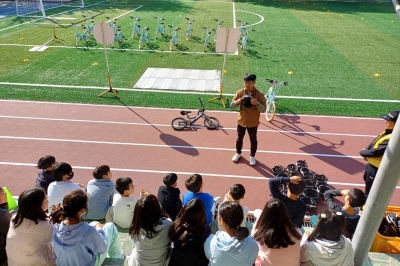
[
  {"x": 146, "y": 216},
  {"x": 62, "y": 170},
  {"x": 297, "y": 189},
  {"x": 357, "y": 197},
  {"x": 32, "y": 205},
  {"x": 102, "y": 171},
  {"x": 249, "y": 77},
  {"x": 330, "y": 226},
  {"x": 46, "y": 162},
  {"x": 74, "y": 203},
  {"x": 274, "y": 227},
  {"x": 170, "y": 179},
  {"x": 191, "y": 222},
  {"x": 194, "y": 183},
  {"x": 237, "y": 191},
  {"x": 230, "y": 214},
  {"x": 123, "y": 184}
]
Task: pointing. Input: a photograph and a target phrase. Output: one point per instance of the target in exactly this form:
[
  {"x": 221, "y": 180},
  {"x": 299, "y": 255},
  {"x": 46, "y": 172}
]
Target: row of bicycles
[{"x": 83, "y": 32}]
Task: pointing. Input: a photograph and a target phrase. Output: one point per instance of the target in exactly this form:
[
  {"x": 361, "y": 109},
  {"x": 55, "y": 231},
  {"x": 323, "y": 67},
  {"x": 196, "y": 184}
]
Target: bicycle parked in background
[
  {"x": 242, "y": 28},
  {"x": 188, "y": 33},
  {"x": 136, "y": 27},
  {"x": 144, "y": 37},
  {"x": 270, "y": 97},
  {"x": 174, "y": 38},
  {"x": 160, "y": 27},
  {"x": 113, "y": 24},
  {"x": 218, "y": 26},
  {"x": 85, "y": 35},
  {"x": 207, "y": 40},
  {"x": 90, "y": 25},
  {"x": 180, "y": 123},
  {"x": 244, "y": 41}
]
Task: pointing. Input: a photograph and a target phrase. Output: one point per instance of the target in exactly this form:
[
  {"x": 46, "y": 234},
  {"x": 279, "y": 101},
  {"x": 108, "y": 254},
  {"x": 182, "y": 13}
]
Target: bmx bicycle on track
[
  {"x": 270, "y": 97},
  {"x": 180, "y": 123}
]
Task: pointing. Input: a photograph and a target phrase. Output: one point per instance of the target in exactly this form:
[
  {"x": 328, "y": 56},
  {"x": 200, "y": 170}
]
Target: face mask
[{"x": 71, "y": 175}]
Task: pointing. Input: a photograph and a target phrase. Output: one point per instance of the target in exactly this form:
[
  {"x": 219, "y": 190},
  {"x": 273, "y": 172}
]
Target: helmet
[
  {"x": 278, "y": 169},
  {"x": 322, "y": 188},
  {"x": 320, "y": 179},
  {"x": 301, "y": 163},
  {"x": 305, "y": 173},
  {"x": 311, "y": 193},
  {"x": 246, "y": 101},
  {"x": 311, "y": 203},
  {"x": 310, "y": 183},
  {"x": 292, "y": 168}
]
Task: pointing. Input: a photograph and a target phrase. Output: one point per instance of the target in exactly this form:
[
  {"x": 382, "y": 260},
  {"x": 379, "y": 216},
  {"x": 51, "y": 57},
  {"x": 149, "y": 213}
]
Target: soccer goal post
[{"x": 37, "y": 8}]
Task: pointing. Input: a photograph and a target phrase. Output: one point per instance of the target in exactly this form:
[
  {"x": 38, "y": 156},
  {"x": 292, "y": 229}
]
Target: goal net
[{"x": 37, "y": 8}]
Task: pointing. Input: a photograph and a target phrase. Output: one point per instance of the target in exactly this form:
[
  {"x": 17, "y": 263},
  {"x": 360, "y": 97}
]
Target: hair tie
[
  {"x": 339, "y": 213},
  {"x": 323, "y": 216}
]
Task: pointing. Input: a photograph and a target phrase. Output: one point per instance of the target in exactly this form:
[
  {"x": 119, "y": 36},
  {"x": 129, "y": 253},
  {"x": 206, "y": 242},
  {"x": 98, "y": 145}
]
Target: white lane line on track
[
  {"x": 175, "y": 146},
  {"x": 174, "y": 109},
  {"x": 186, "y": 92},
  {"x": 53, "y": 15},
  {"x": 168, "y": 125},
  {"x": 177, "y": 172}
]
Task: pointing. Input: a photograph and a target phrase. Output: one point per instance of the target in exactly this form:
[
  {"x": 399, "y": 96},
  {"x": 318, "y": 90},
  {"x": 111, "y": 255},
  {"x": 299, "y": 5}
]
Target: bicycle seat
[{"x": 185, "y": 112}]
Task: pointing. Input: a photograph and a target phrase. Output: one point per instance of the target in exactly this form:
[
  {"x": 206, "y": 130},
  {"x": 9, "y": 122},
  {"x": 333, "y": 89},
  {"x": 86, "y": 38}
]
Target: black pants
[
  {"x": 369, "y": 177},
  {"x": 241, "y": 131}
]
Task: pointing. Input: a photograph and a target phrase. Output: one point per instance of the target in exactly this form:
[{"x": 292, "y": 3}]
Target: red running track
[{"x": 140, "y": 143}]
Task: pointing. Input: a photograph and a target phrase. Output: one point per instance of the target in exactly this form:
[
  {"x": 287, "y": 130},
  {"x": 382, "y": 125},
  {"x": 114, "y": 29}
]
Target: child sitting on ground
[
  {"x": 236, "y": 193},
  {"x": 101, "y": 190},
  {"x": 353, "y": 199},
  {"x": 45, "y": 177},
  {"x": 297, "y": 208},
  {"x": 121, "y": 212},
  {"x": 169, "y": 196},
  {"x": 195, "y": 186}
]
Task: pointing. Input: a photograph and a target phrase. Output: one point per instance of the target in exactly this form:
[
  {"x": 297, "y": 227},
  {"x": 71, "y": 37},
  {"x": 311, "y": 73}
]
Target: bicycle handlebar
[{"x": 276, "y": 82}]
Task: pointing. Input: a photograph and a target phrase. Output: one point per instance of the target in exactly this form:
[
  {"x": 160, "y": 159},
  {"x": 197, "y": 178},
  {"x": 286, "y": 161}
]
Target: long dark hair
[
  {"x": 146, "y": 216},
  {"x": 330, "y": 226},
  {"x": 30, "y": 206},
  {"x": 232, "y": 215},
  {"x": 274, "y": 227},
  {"x": 73, "y": 203},
  {"x": 191, "y": 222}
]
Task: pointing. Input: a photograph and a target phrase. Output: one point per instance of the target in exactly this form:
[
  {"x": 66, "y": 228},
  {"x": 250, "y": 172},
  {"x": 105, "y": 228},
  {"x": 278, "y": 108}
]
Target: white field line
[
  {"x": 159, "y": 108},
  {"x": 53, "y": 15},
  {"x": 177, "y": 172},
  {"x": 51, "y": 24},
  {"x": 175, "y": 146},
  {"x": 190, "y": 92},
  {"x": 115, "y": 49},
  {"x": 234, "y": 23},
  {"x": 123, "y": 14},
  {"x": 262, "y": 18},
  {"x": 168, "y": 125}
]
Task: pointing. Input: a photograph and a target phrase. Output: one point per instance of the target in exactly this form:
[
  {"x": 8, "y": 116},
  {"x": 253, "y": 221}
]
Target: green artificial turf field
[{"x": 334, "y": 50}]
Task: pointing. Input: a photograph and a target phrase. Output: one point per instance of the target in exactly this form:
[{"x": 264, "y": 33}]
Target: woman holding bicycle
[{"x": 252, "y": 103}]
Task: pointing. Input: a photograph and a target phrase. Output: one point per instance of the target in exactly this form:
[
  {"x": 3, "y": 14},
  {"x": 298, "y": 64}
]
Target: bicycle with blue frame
[
  {"x": 90, "y": 25},
  {"x": 85, "y": 35},
  {"x": 160, "y": 27},
  {"x": 243, "y": 43},
  {"x": 218, "y": 27},
  {"x": 136, "y": 27},
  {"x": 270, "y": 97},
  {"x": 207, "y": 40},
  {"x": 180, "y": 123},
  {"x": 174, "y": 38},
  {"x": 118, "y": 36},
  {"x": 113, "y": 24},
  {"x": 144, "y": 36},
  {"x": 188, "y": 33}
]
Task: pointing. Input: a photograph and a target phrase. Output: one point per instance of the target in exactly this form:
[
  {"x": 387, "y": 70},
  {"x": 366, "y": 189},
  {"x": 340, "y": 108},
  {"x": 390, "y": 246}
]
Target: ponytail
[
  {"x": 57, "y": 214},
  {"x": 241, "y": 233}
]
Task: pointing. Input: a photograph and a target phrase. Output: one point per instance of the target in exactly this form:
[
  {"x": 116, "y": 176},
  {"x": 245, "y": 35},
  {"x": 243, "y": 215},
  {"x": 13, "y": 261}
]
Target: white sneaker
[
  {"x": 236, "y": 157},
  {"x": 252, "y": 160}
]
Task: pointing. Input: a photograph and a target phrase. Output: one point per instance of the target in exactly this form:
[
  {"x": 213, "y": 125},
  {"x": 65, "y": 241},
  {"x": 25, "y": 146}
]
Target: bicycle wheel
[
  {"x": 211, "y": 122},
  {"x": 270, "y": 112},
  {"x": 87, "y": 36},
  {"x": 178, "y": 123}
]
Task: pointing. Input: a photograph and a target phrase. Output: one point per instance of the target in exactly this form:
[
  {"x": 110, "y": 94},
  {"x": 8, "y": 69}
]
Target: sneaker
[
  {"x": 236, "y": 157},
  {"x": 252, "y": 160},
  {"x": 217, "y": 200}
]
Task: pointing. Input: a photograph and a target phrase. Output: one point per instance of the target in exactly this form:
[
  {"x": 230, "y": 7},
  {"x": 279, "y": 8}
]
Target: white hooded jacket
[{"x": 326, "y": 252}]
